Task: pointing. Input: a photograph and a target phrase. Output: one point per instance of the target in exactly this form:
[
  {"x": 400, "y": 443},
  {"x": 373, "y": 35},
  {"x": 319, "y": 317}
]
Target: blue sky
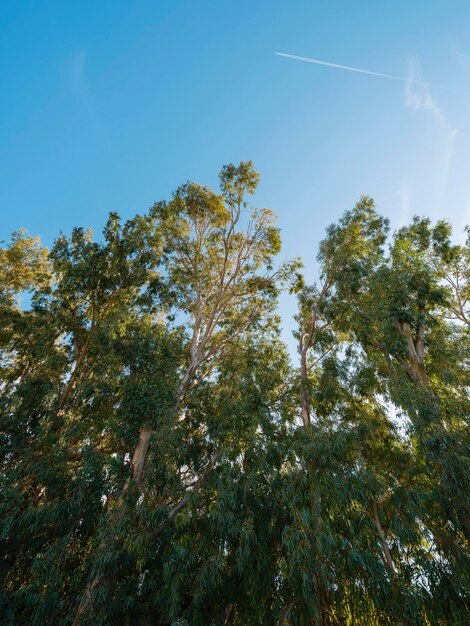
[{"x": 111, "y": 105}]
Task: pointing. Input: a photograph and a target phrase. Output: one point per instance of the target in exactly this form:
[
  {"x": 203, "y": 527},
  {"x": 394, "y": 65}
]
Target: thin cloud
[
  {"x": 77, "y": 78},
  {"x": 359, "y": 70},
  {"x": 417, "y": 94},
  {"x": 418, "y": 98},
  {"x": 76, "y": 69}
]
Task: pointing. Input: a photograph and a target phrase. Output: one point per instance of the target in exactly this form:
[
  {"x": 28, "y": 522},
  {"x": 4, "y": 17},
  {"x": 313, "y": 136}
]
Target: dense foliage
[{"x": 164, "y": 462}]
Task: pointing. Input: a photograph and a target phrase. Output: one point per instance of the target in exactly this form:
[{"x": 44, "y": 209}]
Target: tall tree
[
  {"x": 162, "y": 460},
  {"x": 218, "y": 278}
]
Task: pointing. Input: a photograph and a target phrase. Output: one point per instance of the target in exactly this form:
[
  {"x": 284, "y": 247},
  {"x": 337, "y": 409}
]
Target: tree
[
  {"x": 164, "y": 462},
  {"x": 393, "y": 311}
]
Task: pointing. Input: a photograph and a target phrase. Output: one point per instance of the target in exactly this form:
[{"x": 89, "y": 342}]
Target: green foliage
[{"x": 164, "y": 462}]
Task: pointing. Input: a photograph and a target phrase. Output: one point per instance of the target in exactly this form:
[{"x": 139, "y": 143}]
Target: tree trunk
[
  {"x": 140, "y": 456},
  {"x": 383, "y": 540},
  {"x": 304, "y": 403}
]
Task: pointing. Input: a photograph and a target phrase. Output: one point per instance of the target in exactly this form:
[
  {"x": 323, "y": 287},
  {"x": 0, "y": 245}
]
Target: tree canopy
[{"x": 165, "y": 460}]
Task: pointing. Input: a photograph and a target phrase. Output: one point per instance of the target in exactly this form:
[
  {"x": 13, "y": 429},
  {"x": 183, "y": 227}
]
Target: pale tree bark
[
  {"x": 383, "y": 540},
  {"x": 80, "y": 357},
  {"x": 459, "y": 305},
  {"x": 304, "y": 402},
  {"x": 415, "y": 351},
  {"x": 308, "y": 332},
  {"x": 228, "y": 613},
  {"x": 225, "y": 293},
  {"x": 140, "y": 453}
]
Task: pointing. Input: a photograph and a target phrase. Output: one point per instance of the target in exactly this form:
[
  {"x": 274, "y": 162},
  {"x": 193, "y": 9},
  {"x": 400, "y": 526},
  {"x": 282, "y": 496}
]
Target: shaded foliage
[{"x": 164, "y": 462}]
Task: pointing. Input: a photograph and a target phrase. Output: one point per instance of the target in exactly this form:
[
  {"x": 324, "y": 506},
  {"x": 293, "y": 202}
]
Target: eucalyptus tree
[
  {"x": 212, "y": 272},
  {"x": 402, "y": 316},
  {"x": 69, "y": 372},
  {"x": 401, "y": 321},
  {"x": 218, "y": 559},
  {"x": 336, "y": 535},
  {"x": 162, "y": 462},
  {"x": 217, "y": 279}
]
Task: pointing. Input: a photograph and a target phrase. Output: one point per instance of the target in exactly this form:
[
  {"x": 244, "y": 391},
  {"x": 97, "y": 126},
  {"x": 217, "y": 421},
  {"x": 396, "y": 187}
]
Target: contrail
[{"x": 361, "y": 71}]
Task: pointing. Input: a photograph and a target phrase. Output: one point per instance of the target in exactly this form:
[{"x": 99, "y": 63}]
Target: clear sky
[{"x": 110, "y": 105}]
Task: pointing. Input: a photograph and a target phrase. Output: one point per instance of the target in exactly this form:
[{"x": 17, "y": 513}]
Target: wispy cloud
[
  {"x": 417, "y": 94},
  {"x": 77, "y": 78},
  {"x": 418, "y": 98}
]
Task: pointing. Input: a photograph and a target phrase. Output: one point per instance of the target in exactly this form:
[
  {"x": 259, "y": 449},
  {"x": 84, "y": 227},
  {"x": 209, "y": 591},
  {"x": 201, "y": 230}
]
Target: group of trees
[{"x": 163, "y": 460}]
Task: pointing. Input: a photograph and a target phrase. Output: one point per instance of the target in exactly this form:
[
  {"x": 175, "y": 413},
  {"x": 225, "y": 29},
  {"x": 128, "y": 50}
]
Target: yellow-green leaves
[{"x": 24, "y": 264}]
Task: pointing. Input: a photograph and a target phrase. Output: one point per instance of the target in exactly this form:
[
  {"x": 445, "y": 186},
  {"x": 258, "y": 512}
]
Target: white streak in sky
[{"x": 357, "y": 69}]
